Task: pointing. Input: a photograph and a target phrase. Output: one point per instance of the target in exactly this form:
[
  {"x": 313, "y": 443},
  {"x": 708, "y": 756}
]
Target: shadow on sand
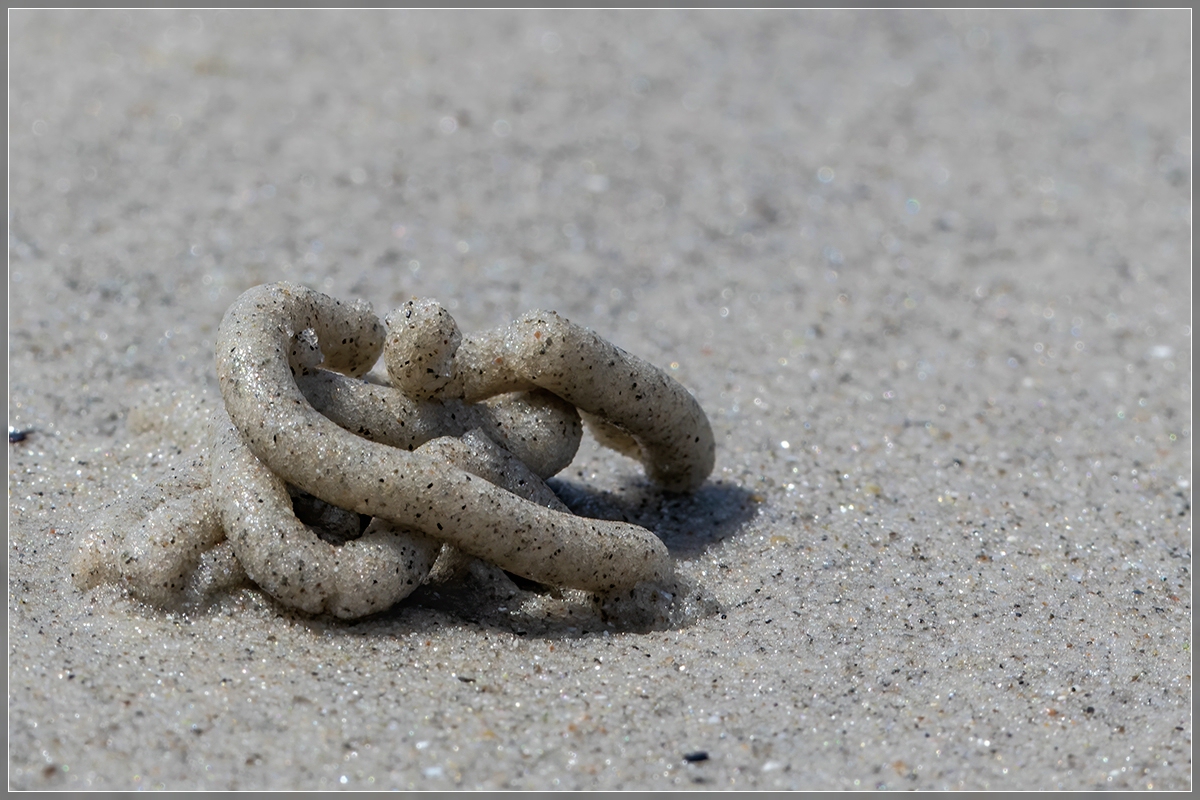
[{"x": 687, "y": 523}]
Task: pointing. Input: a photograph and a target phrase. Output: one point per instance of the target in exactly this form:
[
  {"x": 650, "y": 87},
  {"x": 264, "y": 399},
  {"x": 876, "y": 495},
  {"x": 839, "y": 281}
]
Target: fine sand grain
[{"x": 927, "y": 273}]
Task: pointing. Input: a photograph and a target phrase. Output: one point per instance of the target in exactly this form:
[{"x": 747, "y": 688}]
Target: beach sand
[{"x": 928, "y": 273}]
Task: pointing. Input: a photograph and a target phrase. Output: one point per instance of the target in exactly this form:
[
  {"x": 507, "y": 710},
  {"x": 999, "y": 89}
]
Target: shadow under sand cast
[
  {"x": 687, "y": 523},
  {"x": 484, "y": 595}
]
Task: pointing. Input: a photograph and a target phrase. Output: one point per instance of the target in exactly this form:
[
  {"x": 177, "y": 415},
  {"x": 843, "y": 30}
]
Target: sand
[{"x": 928, "y": 273}]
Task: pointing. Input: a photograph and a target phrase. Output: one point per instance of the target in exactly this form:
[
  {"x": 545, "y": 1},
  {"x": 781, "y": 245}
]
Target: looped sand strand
[
  {"x": 631, "y": 405},
  {"x": 335, "y": 494}
]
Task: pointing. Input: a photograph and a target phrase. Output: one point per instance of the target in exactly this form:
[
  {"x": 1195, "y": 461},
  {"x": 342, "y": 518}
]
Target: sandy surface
[{"x": 928, "y": 274}]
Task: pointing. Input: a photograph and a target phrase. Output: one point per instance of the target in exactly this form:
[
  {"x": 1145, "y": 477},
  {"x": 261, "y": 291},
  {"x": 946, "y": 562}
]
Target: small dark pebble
[
  {"x": 465, "y": 679},
  {"x": 15, "y": 436},
  {"x": 692, "y": 758}
]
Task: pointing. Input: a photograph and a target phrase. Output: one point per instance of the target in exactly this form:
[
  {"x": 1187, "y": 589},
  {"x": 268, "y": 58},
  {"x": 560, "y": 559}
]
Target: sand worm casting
[{"x": 335, "y": 491}]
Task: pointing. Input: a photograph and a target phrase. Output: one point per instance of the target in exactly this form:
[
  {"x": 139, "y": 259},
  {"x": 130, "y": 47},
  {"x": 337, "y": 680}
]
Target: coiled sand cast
[{"x": 454, "y": 451}]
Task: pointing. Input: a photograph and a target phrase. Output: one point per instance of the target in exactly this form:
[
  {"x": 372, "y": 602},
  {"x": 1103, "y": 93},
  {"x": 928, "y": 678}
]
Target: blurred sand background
[{"x": 927, "y": 272}]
